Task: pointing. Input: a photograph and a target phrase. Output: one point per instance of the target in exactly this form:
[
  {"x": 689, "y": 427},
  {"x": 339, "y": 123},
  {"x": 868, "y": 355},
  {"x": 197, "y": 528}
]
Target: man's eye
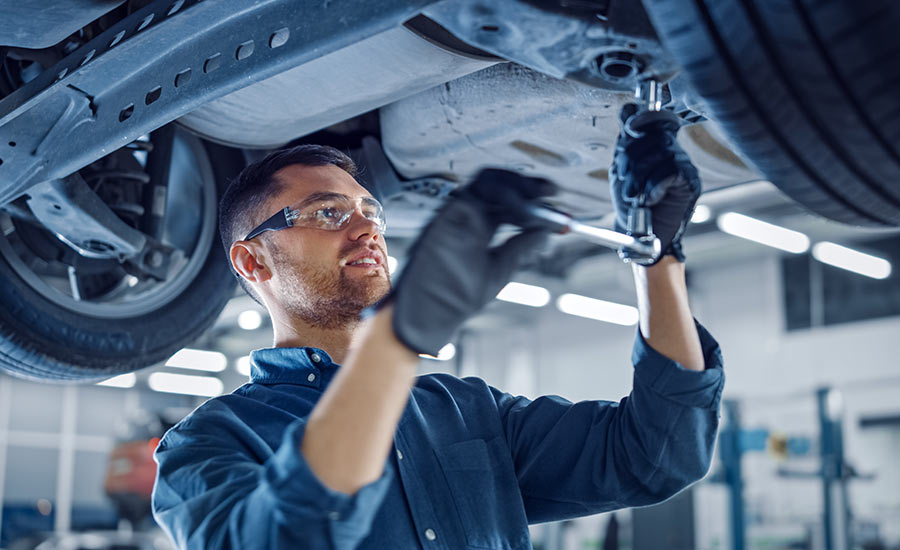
[{"x": 328, "y": 213}]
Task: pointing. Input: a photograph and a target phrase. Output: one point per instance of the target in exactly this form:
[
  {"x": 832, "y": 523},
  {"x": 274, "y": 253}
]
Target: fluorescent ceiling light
[
  {"x": 243, "y": 365},
  {"x": 527, "y": 295},
  {"x": 392, "y": 264},
  {"x": 185, "y": 384},
  {"x": 762, "y": 232},
  {"x": 121, "y": 381},
  {"x": 702, "y": 214},
  {"x": 198, "y": 359},
  {"x": 250, "y": 319},
  {"x": 852, "y": 260},
  {"x": 599, "y": 310},
  {"x": 445, "y": 354}
]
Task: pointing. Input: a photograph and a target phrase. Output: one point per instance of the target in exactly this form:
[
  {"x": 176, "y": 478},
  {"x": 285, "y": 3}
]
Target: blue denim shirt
[{"x": 471, "y": 466}]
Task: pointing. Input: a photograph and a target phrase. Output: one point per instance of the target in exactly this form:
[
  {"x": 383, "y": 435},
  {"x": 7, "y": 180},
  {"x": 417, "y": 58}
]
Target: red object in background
[{"x": 131, "y": 469}]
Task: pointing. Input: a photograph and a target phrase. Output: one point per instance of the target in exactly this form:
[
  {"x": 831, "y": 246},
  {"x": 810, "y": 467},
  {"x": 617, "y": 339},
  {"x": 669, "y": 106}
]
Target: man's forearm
[
  {"x": 350, "y": 430},
  {"x": 666, "y": 320}
]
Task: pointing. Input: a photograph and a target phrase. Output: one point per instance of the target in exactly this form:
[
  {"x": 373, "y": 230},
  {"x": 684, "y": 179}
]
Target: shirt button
[
  {"x": 334, "y": 516},
  {"x": 430, "y": 534},
  {"x": 399, "y": 455},
  {"x": 311, "y": 377},
  {"x": 315, "y": 357}
]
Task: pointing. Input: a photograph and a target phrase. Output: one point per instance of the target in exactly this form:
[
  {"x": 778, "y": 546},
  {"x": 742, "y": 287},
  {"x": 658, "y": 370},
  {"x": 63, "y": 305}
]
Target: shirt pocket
[{"x": 486, "y": 494}]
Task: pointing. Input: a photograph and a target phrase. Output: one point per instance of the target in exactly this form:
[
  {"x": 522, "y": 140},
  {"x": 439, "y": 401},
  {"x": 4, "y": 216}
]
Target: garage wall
[
  {"x": 54, "y": 444},
  {"x": 774, "y": 374}
]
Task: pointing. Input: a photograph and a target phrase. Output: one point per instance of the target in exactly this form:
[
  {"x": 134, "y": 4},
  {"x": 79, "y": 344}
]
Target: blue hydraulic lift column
[
  {"x": 833, "y": 469},
  {"x": 730, "y": 454}
]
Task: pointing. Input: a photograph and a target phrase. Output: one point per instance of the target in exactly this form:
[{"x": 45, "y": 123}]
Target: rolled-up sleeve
[
  {"x": 669, "y": 379},
  {"x": 574, "y": 459},
  {"x": 213, "y": 490}
]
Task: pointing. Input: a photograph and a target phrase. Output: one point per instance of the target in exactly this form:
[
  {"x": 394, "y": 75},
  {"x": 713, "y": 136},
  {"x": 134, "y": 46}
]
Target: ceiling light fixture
[
  {"x": 250, "y": 319},
  {"x": 702, "y": 214},
  {"x": 185, "y": 384},
  {"x": 446, "y": 353},
  {"x": 198, "y": 359},
  {"x": 122, "y": 381},
  {"x": 852, "y": 260},
  {"x": 242, "y": 365},
  {"x": 762, "y": 232},
  {"x": 527, "y": 295},
  {"x": 599, "y": 310}
]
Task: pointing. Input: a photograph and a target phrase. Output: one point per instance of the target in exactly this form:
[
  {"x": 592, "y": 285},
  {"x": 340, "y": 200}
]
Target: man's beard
[{"x": 323, "y": 300}]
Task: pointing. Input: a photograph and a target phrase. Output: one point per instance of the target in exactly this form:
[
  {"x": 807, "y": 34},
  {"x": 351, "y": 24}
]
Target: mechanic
[{"x": 336, "y": 443}]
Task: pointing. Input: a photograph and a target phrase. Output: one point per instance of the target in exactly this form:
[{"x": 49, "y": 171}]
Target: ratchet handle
[
  {"x": 644, "y": 251},
  {"x": 641, "y": 250},
  {"x": 543, "y": 216}
]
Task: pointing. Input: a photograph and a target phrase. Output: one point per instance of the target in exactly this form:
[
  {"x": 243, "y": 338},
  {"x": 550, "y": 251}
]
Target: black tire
[
  {"x": 805, "y": 89},
  {"x": 40, "y": 339}
]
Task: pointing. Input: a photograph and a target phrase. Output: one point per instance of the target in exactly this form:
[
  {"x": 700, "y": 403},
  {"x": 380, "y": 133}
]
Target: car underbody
[{"x": 102, "y": 105}]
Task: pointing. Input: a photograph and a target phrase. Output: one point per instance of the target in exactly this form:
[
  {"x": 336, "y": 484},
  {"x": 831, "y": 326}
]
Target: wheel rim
[{"x": 191, "y": 182}]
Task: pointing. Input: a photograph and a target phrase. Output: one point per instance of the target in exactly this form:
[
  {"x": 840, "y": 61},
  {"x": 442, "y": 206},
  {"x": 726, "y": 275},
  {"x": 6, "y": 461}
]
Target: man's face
[{"x": 313, "y": 274}]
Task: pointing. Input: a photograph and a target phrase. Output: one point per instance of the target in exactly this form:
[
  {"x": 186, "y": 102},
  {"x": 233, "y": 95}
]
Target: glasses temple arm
[{"x": 279, "y": 220}]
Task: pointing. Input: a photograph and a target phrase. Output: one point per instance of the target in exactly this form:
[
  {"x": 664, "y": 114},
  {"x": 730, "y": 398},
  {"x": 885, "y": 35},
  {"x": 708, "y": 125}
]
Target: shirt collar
[{"x": 303, "y": 366}]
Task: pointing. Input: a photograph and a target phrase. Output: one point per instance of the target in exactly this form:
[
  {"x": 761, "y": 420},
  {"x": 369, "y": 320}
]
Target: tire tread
[{"x": 835, "y": 149}]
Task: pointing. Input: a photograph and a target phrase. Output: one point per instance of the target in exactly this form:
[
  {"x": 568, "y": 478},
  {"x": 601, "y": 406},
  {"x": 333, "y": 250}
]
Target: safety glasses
[{"x": 329, "y": 211}]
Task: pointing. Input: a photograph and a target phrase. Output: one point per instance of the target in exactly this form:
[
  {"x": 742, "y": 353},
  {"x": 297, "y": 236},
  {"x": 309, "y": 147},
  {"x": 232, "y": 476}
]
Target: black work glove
[
  {"x": 653, "y": 171},
  {"x": 452, "y": 271}
]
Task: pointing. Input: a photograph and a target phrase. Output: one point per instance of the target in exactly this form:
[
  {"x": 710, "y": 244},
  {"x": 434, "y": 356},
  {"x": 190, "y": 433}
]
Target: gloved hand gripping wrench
[{"x": 639, "y": 245}]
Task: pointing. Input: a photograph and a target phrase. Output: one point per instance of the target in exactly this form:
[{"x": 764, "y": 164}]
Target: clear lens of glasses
[{"x": 334, "y": 213}]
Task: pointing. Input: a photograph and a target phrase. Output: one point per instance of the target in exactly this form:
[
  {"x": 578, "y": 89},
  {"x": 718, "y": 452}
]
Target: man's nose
[{"x": 362, "y": 227}]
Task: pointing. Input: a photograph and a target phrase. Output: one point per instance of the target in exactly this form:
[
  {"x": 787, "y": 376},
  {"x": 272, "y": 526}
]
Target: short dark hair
[{"x": 239, "y": 208}]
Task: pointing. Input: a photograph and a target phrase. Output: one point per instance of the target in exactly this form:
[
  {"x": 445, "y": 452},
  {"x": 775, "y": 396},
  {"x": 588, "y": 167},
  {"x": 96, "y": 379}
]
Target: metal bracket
[
  {"x": 386, "y": 182},
  {"x": 161, "y": 62},
  {"x": 574, "y": 40},
  {"x": 80, "y": 218},
  {"x": 381, "y": 174}
]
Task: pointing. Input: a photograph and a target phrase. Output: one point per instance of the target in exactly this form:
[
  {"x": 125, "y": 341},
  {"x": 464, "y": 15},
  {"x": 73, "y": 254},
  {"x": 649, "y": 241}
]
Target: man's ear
[{"x": 245, "y": 260}]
